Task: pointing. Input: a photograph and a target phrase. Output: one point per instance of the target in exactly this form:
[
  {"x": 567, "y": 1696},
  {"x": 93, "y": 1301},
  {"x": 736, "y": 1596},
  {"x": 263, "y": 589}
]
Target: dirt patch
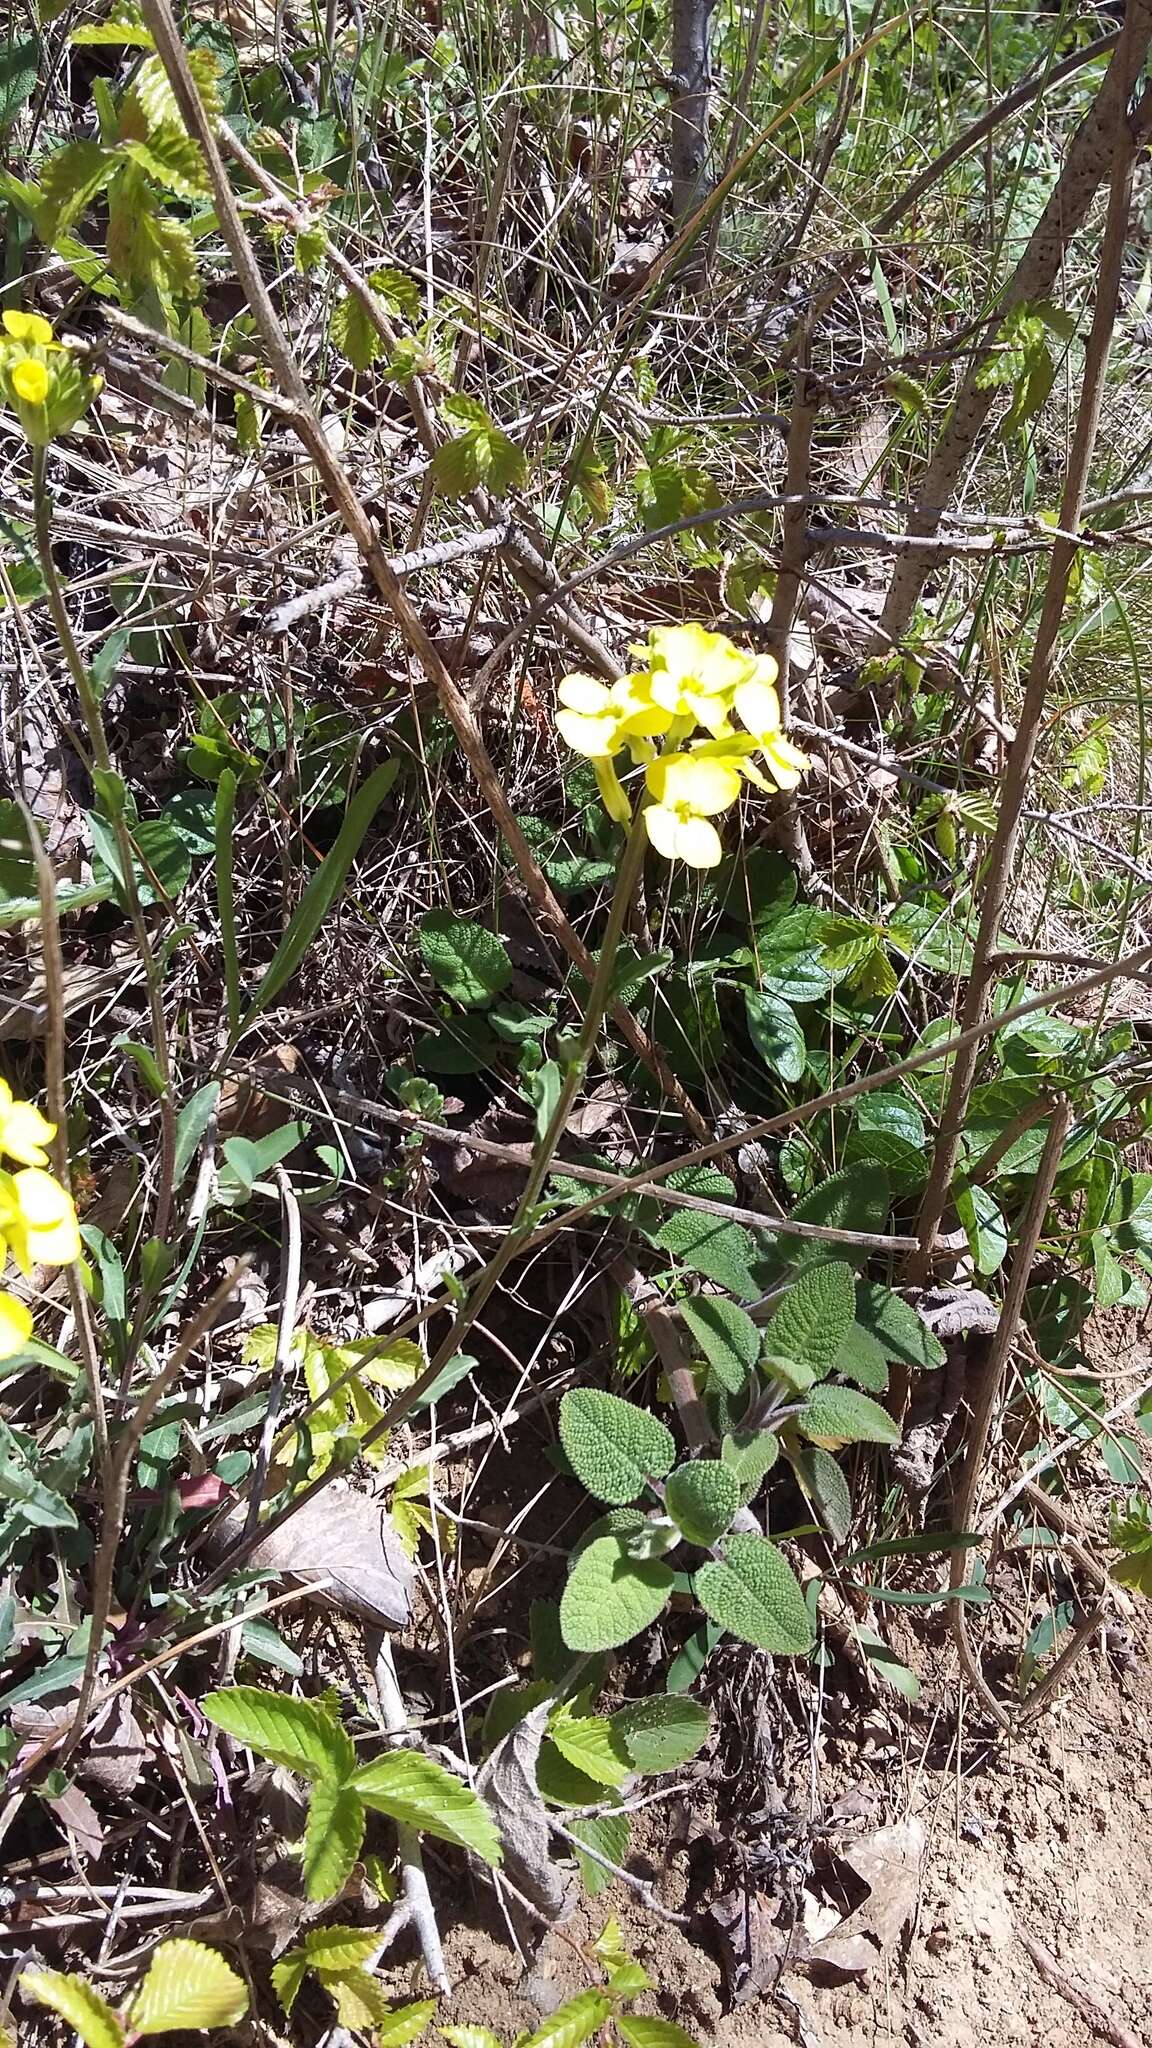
[{"x": 1052, "y": 1836}]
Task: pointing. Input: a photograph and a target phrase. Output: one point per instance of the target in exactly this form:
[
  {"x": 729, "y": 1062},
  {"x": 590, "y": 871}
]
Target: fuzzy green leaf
[
  {"x": 662, "y": 1732},
  {"x": 464, "y": 958},
  {"x": 296, "y": 1733},
  {"x": 354, "y": 334},
  {"x": 420, "y": 1794},
  {"x": 814, "y": 1317},
  {"x": 750, "y": 1455},
  {"x": 776, "y": 1034},
  {"x": 572, "y": 2023},
  {"x": 188, "y": 1987},
  {"x": 723, "y": 1252},
  {"x": 857, "y": 1198},
  {"x": 897, "y": 1328},
  {"x": 839, "y": 1415},
  {"x": 702, "y": 1499},
  {"x": 756, "y": 1595},
  {"x": 861, "y": 1359},
  {"x": 826, "y": 1487},
  {"x": 611, "y": 1597},
  {"x": 726, "y": 1335},
  {"x": 613, "y": 1446},
  {"x": 76, "y": 2002},
  {"x": 332, "y": 1838}
]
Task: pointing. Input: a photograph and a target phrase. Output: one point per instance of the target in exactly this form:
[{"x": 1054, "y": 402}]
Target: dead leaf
[
  {"x": 507, "y": 1781},
  {"x": 112, "y": 1757},
  {"x": 888, "y": 1862},
  {"x": 950, "y": 1310},
  {"x": 755, "y": 1946},
  {"x": 342, "y": 1537},
  {"x": 245, "y": 1107},
  {"x": 75, "y": 1811}
]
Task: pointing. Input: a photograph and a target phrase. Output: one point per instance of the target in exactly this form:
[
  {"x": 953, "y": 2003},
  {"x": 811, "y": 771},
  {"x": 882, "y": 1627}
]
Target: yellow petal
[
  {"x": 30, "y": 381},
  {"x": 584, "y": 693},
  {"x": 785, "y": 761},
  {"x": 29, "y": 327},
  {"x": 15, "y": 1325},
  {"x": 24, "y": 1133},
  {"x": 55, "y": 1245},
  {"x": 699, "y": 785},
  {"x": 595, "y": 738},
  {"x": 758, "y": 707},
  {"x": 662, "y": 826},
  {"x": 698, "y": 843},
  {"x": 41, "y": 1199}
]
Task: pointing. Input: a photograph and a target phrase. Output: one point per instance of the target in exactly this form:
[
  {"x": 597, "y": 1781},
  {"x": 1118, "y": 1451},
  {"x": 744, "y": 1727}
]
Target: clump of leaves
[
  {"x": 307, "y": 1736},
  {"x": 188, "y": 1986},
  {"x": 579, "y": 2018},
  {"x": 337, "y": 1958},
  {"x": 340, "y": 1378}
]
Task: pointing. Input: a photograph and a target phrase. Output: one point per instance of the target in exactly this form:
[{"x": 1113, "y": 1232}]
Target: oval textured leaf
[
  {"x": 469, "y": 962},
  {"x": 188, "y": 1986},
  {"x": 663, "y": 1732},
  {"x": 756, "y": 1595},
  {"x": 76, "y": 2002},
  {"x": 295, "y": 1733},
  {"x": 612, "y": 1446},
  {"x": 702, "y": 1499},
  {"x": 726, "y": 1335},
  {"x": 610, "y": 1597},
  {"x": 832, "y": 1416},
  {"x": 420, "y": 1794},
  {"x": 814, "y": 1317}
]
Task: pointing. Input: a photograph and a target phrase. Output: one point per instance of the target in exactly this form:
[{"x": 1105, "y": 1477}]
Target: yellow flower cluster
[
  {"x": 690, "y": 679},
  {"x": 40, "y": 379},
  {"x": 37, "y": 1220}
]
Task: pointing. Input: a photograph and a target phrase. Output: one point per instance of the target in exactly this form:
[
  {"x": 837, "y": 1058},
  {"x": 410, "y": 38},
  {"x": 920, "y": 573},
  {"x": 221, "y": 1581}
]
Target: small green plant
[
  {"x": 599, "y": 2008},
  {"x": 336, "y": 1957},
  {"x": 307, "y": 1737},
  {"x": 188, "y": 1988}
]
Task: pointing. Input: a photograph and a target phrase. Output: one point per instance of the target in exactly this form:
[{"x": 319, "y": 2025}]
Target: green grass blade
[{"x": 226, "y": 897}]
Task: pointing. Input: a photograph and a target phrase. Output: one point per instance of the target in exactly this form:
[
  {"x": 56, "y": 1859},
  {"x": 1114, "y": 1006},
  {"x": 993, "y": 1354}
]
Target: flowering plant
[
  {"x": 40, "y": 378},
  {"x": 37, "y": 1218},
  {"x": 690, "y": 679}
]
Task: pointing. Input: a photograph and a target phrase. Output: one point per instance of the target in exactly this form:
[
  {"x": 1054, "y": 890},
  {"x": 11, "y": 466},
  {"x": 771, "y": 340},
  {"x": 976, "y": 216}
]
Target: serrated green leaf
[
  {"x": 69, "y": 179},
  {"x": 756, "y": 1595},
  {"x": 726, "y": 1335},
  {"x": 814, "y": 1317},
  {"x": 157, "y": 99},
  {"x": 287, "y": 1977},
  {"x": 459, "y": 464},
  {"x": 590, "y": 1744},
  {"x": 124, "y": 31},
  {"x": 404, "y": 2023},
  {"x": 332, "y": 1837},
  {"x": 296, "y": 1733},
  {"x": 561, "y": 1783},
  {"x": 790, "y": 957},
  {"x": 361, "y": 2000},
  {"x": 506, "y": 467},
  {"x": 610, "y": 1597},
  {"x": 572, "y": 2023},
  {"x": 644, "y": 2033},
  {"x": 723, "y": 1252},
  {"x": 76, "y": 2002},
  {"x": 751, "y": 1456},
  {"x": 608, "y": 1835},
  {"x": 354, "y": 333},
  {"x": 614, "y": 1447},
  {"x": 173, "y": 159},
  {"x": 421, "y": 1794},
  {"x": 466, "y": 960},
  {"x": 189, "y": 1987},
  {"x": 662, "y": 1732},
  {"x": 776, "y": 1034},
  {"x": 826, "y": 1487},
  {"x": 471, "y": 2037},
  {"x": 702, "y": 1499},
  {"x": 833, "y": 1416}
]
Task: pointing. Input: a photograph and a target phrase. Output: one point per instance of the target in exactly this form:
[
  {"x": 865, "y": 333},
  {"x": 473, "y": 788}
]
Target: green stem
[
  {"x": 599, "y": 996},
  {"x": 102, "y": 761}
]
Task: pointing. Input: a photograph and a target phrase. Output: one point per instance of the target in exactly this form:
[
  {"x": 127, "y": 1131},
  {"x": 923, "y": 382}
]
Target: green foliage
[
  {"x": 753, "y": 1592},
  {"x": 814, "y": 1318},
  {"x": 188, "y": 1988},
  {"x": 480, "y": 454},
  {"x": 306, "y": 1737},
  {"x": 726, "y": 1335},
  {"x": 467, "y": 961},
  {"x": 833, "y": 1416},
  {"x": 702, "y": 1499},
  {"x": 613, "y": 1446},
  {"x": 612, "y": 1596},
  {"x": 1130, "y": 1530}
]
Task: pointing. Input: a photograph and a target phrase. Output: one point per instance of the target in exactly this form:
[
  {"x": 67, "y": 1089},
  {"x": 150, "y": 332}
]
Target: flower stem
[{"x": 102, "y": 762}]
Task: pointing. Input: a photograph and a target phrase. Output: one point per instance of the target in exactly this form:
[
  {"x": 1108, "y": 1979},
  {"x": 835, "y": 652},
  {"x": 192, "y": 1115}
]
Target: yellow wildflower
[
  {"x": 15, "y": 1325},
  {"x": 695, "y": 674},
  {"x": 23, "y": 1131},
  {"x": 687, "y": 790},
  {"x": 598, "y": 721},
  {"x": 30, "y": 381},
  {"x": 31, "y": 328},
  {"x": 37, "y": 1219}
]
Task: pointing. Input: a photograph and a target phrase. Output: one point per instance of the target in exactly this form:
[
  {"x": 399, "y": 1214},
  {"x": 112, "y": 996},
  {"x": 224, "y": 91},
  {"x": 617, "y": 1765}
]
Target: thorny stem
[{"x": 102, "y": 761}]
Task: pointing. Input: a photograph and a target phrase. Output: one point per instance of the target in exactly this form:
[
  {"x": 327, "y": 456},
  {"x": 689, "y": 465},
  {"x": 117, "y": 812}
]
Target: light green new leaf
[
  {"x": 420, "y": 1794},
  {"x": 68, "y": 180},
  {"x": 323, "y": 890},
  {"x": 645, "y": 2033},
  {"x": 613, "y": 1446},
  {"x": 189, "y": 1987},
  {"x": 610, "y": 1597},
  {"x": 361, "y": 2000},
  {"x": 756, "y": 1595},
  {"x": 288, "y": 1975},
  {"x": 572, "y": 2023},
  {"x": 460, "y": 464},
  {"x": 355, "y": 335},
  {"x": 173, "y": 160},
  {"x": 464, "y": 958},
  {"x": 751, "y": 1456},
  {"x": 833, "y": 1416},
  {"x": 814, "y": 1317},
  {"x": 76, "y": 2002},
  {"x": 591, "y": 1745},
  {"x": 296, "y": 1733},
  {"x": 471, "y": 2037},
  {"x": 404, "y": 2023},
  {"x": 663, "y": 1732},
  {"x": 702, "y": 1499},
  {"x": 332, "y": 1838},
  {"x": 726, "y": 1335},
  {"x": 95, "y": 33}
]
